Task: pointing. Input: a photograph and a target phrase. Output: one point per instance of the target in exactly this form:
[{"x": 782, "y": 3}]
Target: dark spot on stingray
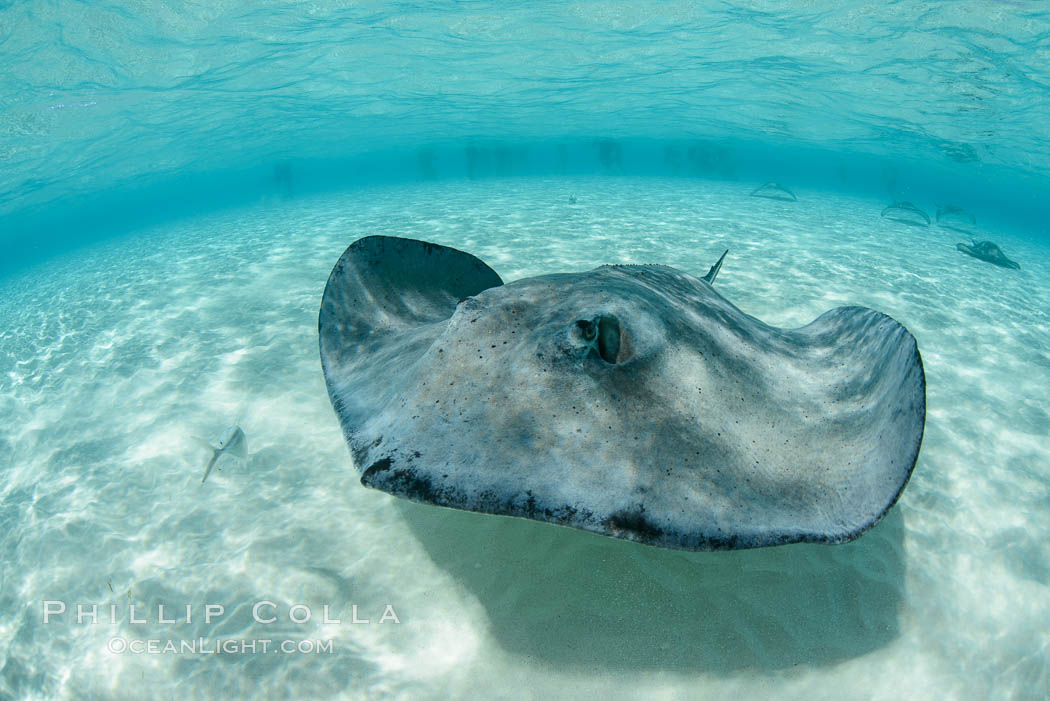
[
  {"x": 530, "y": 505},
  {"x": 635, "y": 522},
  {"x": 381, "y": 465},
  {"x": 407, "y": 483}
]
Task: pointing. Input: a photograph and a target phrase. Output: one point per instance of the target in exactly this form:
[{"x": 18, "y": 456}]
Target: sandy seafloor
[{"x": 114, "y": 357}]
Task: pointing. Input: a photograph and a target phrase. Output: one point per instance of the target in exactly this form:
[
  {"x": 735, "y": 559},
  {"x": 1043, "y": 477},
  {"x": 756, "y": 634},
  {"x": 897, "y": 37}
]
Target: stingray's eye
[{"x": 587, "y": 329}]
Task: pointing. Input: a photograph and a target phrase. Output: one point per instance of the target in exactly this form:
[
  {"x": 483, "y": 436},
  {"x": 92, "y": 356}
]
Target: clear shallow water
[
  {"x": 113, "y": 359},
  {"x": 196, "y": 84},
  {"x": 106, "y": 110},
  {"x": 185, "y": 175}
]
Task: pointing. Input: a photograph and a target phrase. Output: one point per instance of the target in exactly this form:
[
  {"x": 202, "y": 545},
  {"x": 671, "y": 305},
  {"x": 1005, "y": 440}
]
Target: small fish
[{"x": 232, "y": 441}]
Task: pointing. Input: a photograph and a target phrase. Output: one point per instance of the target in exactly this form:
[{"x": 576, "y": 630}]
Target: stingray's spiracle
[{"x": 605, "y": 337}]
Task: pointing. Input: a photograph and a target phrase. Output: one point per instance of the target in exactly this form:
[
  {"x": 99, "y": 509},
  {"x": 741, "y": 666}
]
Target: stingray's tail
[
  {"x": 211, "y": 463},
  {"x": 713, "y": 272}
]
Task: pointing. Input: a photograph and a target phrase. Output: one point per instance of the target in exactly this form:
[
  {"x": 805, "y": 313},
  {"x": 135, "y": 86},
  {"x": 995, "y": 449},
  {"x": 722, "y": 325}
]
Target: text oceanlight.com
[{"x": 202, "y": 646}]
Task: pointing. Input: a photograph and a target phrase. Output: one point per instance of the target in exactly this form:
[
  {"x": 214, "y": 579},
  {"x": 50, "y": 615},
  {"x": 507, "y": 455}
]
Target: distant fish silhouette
[
  {"x": 954, "y": 211},
  {"x": 774, "y": 191},
  {"x": 989, "y": 253},
  {"x": 897, "y": 209},
  {"x": 231, "y": 441}
]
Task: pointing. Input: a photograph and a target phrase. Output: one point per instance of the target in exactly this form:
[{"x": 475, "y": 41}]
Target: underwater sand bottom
[{"x": 113, "y": 358}]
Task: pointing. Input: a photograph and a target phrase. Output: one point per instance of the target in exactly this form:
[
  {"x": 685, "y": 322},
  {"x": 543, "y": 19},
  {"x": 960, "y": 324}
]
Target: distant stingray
[
  {"x": 632, "y": 401},
  {"x": 989, "y": 253},
  {"x": 905, "y": 212},
  {"x": 774, "y": 191},
  {"x": 954, "y": 217},
  {"x": 232, "y": 442},
  {"x": 952, "y": 211}
]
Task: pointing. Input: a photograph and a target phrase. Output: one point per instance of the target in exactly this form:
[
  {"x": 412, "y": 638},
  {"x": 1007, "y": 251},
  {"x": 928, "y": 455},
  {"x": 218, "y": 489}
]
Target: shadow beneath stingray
[{"x": 572, "y": 599}]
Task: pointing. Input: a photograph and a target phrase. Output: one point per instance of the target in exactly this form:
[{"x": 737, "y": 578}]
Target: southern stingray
[
  {"x": 989, "y": 253},
  {"x": 774, "y": 191},
  {"x": 954, "y": 217},
  {"x": 949, "y": 212},
  {"x": 232, "y": 442},
  {"x": 905, "y": 212},
  {"x": 632, "y": 401}
]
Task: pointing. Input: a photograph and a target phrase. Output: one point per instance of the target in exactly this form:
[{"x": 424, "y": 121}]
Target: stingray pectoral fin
[
  {"x": 384, "y": 284},
  {"x": 239, "y": 449},
  {"x": 385, "y": 301},
  {"x": 872, "y": 388}
]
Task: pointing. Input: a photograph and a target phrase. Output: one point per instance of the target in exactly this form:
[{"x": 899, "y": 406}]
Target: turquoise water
[
  {"x": 111, "y": 116},
  {"x": 177, "y": 183}
]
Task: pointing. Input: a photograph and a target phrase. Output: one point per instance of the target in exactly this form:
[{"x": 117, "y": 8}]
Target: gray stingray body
[
  {"x": 954, "y": 212},
  {"x": 232, "y": 441},
  {"x": 989, "y": 253},
  {"x": 631, "y": 401},
  {"x": 774, "y": 191},
  {"x": 905, "y": 212}
]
